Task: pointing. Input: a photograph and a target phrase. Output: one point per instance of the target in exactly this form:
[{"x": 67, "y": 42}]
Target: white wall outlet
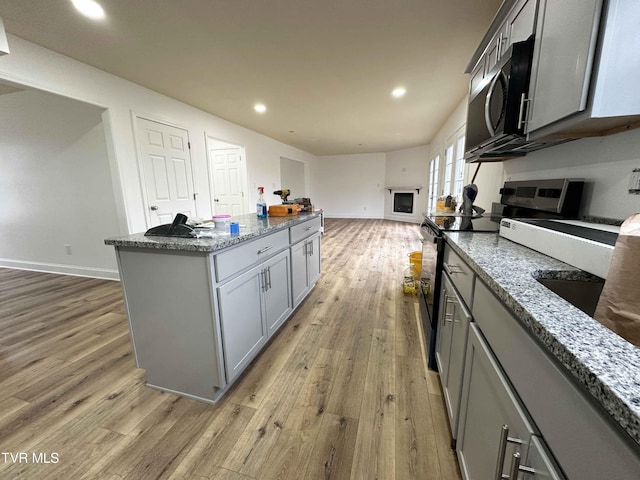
[
  {"x": 67, "y": 249},
  {"x": 634, "y": 182}
]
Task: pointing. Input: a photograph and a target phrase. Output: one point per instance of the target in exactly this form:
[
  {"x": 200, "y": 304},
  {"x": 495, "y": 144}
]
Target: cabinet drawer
[
  {"x": 304, "y": 229},
  {"x": 460, "y": 273},
  {"x": 238, "y": 258}
]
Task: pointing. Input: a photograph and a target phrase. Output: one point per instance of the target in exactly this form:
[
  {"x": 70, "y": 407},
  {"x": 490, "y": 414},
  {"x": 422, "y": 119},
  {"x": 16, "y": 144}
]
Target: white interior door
[
  {"x": 166, "y": 165},
  {"x": 226, "y": 180}
]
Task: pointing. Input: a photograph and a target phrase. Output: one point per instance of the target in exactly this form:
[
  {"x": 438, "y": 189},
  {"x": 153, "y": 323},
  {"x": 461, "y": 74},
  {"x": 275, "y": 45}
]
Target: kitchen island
[
  {"x": 200, "y": 309},
  {"x": 577, "y": 382}
]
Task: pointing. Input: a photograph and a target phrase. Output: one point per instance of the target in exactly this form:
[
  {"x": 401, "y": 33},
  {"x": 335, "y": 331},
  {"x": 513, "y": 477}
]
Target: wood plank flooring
[{"x": 341, "y": 392}]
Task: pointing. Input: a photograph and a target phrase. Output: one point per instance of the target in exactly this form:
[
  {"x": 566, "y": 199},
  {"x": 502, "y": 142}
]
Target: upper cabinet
[
  {"x": 521, "y": 21},
  {"x": 4, "y": 45},
  {"x": 583, "y": 70},
  {"x": 565, "y": 46},
  {"x": 584, "y": 76}
]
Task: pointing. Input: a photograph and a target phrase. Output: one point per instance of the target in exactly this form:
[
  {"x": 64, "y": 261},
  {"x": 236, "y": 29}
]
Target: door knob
[{"x": 153, "y": 207}]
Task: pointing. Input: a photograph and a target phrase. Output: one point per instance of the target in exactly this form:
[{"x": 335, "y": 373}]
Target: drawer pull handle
[
  {"x": 516, "y": 468},
  {"x": 309, "y": 228},
  {"x": 502, "y": 450},
  {"x": 449, "y": 269},
  {"x": 262, "y": 250}
]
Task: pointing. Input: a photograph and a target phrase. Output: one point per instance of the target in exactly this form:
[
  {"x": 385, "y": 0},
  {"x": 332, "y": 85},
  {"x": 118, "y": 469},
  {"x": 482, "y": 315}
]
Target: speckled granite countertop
[
  {"x": 606, "y": 365},
  {"x": 250, "y": 227}
]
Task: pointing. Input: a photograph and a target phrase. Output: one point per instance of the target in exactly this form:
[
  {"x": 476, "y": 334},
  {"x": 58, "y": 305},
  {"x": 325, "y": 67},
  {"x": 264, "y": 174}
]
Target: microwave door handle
[{"x": 487, "y": 104}]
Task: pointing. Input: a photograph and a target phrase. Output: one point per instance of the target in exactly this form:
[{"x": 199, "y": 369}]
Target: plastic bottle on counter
[{"x": 261, "y": 204}]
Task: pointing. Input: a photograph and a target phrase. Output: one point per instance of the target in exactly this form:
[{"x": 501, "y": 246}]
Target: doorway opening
[{"x": 292, "y": 177}]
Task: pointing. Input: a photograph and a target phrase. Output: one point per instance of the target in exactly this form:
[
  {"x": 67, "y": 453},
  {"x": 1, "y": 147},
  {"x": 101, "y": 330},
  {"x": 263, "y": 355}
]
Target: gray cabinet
[
  {"x": 453, "y": 327},
  {"x": 305, "y": 266},
  {"x": 583, "y": 440},
  {"x": 252, "y": 307},
  {"x": 243, "y": 328},
  {"x": 566, "y": 37},
  {"x": 277, "y": 291},
  {"x": 521, "y": 21},
  {"x": 176, "y": 341},
  {"x": 493, "y": 425}
]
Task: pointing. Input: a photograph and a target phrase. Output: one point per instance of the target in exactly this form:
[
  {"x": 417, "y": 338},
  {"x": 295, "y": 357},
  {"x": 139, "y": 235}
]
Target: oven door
[{"x": 432, "y": 247}]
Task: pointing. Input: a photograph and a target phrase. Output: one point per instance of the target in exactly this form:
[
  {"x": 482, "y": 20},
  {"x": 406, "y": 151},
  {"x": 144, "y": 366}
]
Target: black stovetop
[{"x": 449, "y": 223}]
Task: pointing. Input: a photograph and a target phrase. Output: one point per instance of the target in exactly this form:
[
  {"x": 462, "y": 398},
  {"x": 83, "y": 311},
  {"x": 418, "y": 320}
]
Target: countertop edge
[
  {"x": 252, "y": 228},
  {"x": 602, "y": 389}
]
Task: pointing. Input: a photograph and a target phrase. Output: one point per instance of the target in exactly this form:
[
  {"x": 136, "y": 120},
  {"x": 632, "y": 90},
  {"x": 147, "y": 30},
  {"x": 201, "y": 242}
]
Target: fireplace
[{"x": 402, "y": 202}]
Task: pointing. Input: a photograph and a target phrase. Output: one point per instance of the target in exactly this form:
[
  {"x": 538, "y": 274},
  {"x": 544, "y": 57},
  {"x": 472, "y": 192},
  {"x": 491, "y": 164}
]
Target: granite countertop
[
  {"x": 606, "y": 365},
  {"x": 250, "y": 227}
]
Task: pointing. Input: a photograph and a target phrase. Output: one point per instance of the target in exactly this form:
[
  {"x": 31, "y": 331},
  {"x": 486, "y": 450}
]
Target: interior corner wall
[
  {"x": 407, "y": 168},
  {"x": 349, "y": 186},
  {"x": 40, "y": 68},
  {"x": 55, "y": 186}
]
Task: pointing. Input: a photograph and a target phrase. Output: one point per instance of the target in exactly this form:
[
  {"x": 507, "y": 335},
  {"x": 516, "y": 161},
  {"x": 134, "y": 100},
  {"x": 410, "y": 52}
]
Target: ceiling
[{"x": 324, "y": 69}]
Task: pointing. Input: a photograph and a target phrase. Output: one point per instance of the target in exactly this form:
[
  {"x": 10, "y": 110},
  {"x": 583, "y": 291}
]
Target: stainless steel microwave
[{"x": 496, "y": 113}]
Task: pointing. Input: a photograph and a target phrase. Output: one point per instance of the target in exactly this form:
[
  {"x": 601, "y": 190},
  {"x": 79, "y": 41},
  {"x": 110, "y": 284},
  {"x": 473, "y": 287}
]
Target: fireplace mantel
[{"x": 391, "y": 189}]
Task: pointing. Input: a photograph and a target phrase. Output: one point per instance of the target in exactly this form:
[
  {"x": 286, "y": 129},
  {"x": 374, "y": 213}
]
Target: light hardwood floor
[{"x": 341, "y": 392}]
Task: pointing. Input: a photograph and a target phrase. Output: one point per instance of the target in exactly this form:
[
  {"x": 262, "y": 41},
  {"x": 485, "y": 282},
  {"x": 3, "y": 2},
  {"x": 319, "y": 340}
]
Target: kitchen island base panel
[{"x": 171, "y": 310}]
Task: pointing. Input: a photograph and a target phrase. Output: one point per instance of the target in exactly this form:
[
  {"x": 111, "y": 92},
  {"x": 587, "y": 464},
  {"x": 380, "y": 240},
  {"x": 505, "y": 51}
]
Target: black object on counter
[{"x": 178, "y": 228}]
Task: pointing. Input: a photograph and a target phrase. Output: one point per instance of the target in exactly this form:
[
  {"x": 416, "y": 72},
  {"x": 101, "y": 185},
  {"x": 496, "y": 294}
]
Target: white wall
[
  {"x": 55, "y": 186},
  {"x": 407, "y": 168},
  {"x": 32, "y": 65},
  {"x": 604, "y": 162},
  {"x": 349, "y": 186}
]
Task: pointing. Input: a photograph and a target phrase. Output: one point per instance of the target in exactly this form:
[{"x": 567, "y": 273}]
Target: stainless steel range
[{"x": 555, "y": 198}]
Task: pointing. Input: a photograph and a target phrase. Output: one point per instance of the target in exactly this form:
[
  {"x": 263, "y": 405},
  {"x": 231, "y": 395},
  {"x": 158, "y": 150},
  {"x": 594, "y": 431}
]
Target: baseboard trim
[{"x": 73, "y": 270}]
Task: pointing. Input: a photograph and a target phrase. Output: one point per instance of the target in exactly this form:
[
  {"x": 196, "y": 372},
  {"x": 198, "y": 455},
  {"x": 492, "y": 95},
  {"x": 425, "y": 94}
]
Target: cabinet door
[
  {"x": 299, "y": 285},
  {"x": 241, "y": 319},
  {"x": 277, "y": 295},
  {"x": 488, "y": 405},
  {"x": 459, "y": 334},
  {"x": 566, "y": 38},
  {"x": 313, "y": 260},
  {"x": 445, "y": 330},
  {"x": 522, "y": 21}
]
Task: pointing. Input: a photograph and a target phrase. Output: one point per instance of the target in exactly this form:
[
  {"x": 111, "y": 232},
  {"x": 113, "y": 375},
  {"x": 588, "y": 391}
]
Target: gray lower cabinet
[
  {"x": 493, "y": 425},
  {"x": 305, "y": 267},
  {"x": 581, "y": 435},
  {"x": 252, "y": 306},
  {"x": 455, "y": 319},
  {"x": 277, "y": 292},
  {"x": 176, "y": 341}
]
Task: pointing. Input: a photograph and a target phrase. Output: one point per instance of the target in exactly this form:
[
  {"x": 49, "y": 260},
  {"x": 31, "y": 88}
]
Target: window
[
  {"x": 434, "y": 172},
  {"x": 459, "y": 169},
  {"x": 448, "y": 171}
]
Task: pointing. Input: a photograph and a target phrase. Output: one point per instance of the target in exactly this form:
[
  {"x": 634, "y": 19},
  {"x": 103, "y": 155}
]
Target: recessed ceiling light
[
  {"x": 260, "y": 108},
  {"x": 399, "y": 92},
  {"x": 89, "y": 8}
]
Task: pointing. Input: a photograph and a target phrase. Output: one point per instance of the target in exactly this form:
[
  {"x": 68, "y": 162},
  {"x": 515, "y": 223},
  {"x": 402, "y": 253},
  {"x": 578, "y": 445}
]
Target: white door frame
[{"x": 243, "y": 171}]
